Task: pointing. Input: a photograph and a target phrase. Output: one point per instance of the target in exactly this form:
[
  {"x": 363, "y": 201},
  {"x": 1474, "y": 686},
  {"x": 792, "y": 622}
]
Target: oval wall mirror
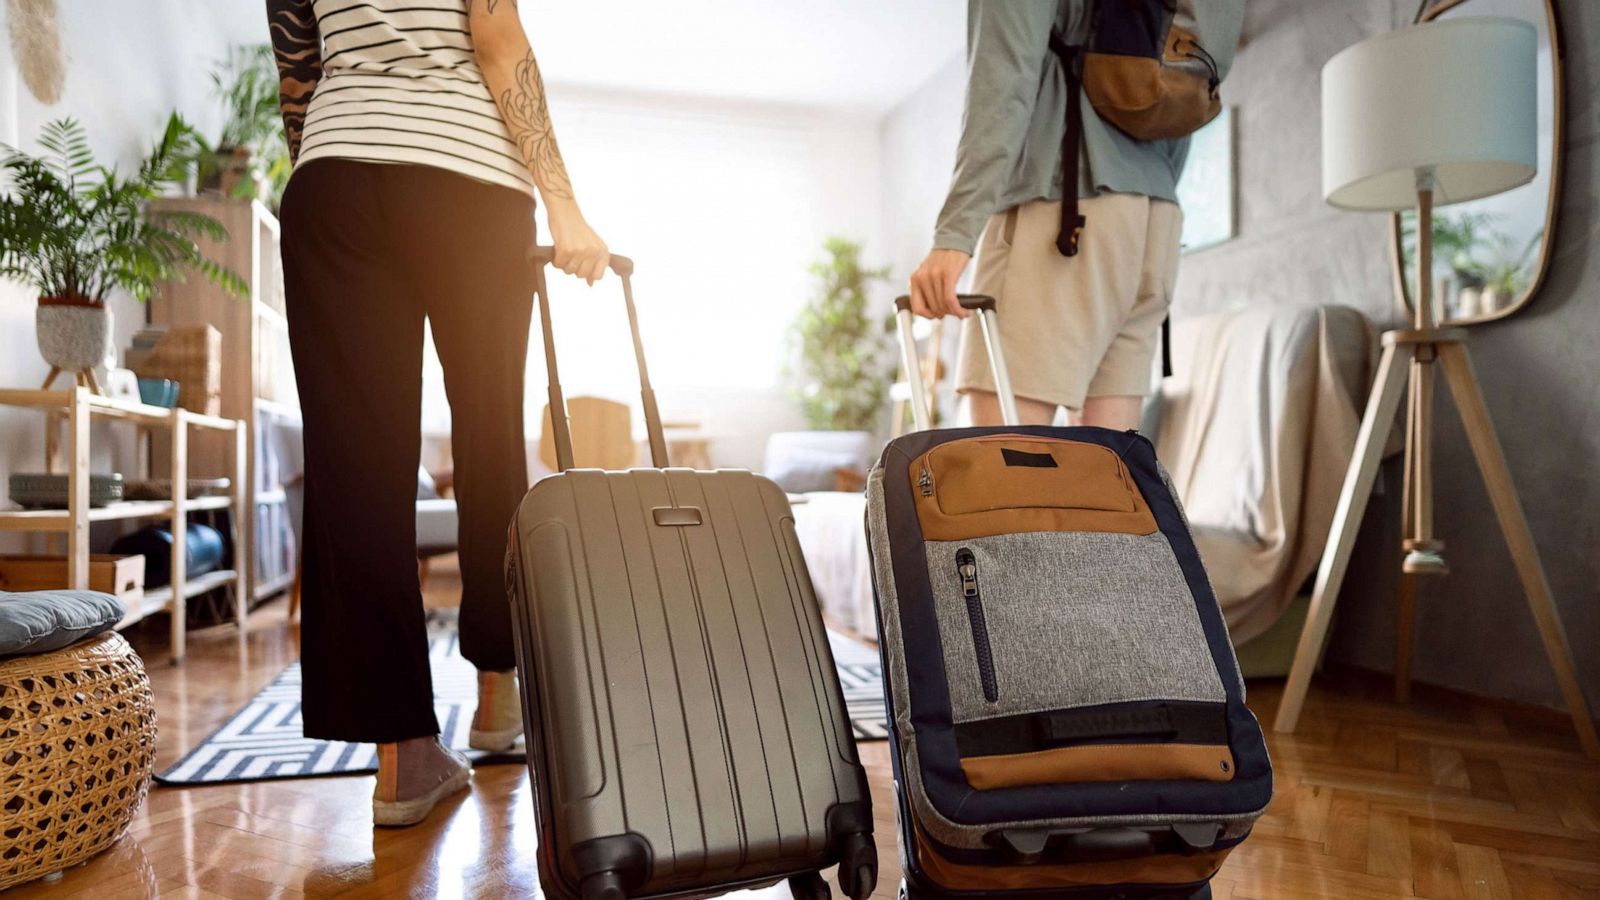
[{"x": 1490, "y": 255}]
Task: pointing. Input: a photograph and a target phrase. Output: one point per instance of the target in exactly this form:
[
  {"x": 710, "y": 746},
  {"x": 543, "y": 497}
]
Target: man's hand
[
  {"x": 933, "y": 284},
  {"x": 579, "y": 250}
]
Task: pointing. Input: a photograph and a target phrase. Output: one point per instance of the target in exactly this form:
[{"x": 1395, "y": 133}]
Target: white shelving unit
[{"x": 77, "y": 407}]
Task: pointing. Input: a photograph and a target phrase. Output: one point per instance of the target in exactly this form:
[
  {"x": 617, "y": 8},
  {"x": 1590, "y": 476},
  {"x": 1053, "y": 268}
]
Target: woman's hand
[{"x": 579, "y": 250}]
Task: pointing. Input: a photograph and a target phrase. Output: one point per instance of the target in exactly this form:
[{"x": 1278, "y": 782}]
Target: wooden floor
[{"x": 1447, "y": 798}]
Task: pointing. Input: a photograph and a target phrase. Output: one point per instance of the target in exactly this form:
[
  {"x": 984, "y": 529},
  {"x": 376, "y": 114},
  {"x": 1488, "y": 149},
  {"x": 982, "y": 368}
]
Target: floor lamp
[{"x": 1429, "y": 115}]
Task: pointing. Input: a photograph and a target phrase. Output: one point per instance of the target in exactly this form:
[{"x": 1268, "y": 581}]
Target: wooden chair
[{"x": 602, "y": 434}]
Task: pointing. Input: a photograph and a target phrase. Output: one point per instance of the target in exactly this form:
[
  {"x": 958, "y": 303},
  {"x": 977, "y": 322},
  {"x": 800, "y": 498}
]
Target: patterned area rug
[{"x": 263, "y": 740}]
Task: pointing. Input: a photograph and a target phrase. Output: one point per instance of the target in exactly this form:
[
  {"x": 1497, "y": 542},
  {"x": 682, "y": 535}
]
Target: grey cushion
[
  {"x": 436, "y": 524},
  {"x": 42, "y": 621}
]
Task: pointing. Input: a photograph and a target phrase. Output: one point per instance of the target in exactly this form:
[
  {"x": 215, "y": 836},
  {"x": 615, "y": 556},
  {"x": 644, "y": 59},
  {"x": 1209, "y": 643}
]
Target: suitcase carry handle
[
  {"x": 542, "y": 256},
  {"x": 985, "y": 306}
]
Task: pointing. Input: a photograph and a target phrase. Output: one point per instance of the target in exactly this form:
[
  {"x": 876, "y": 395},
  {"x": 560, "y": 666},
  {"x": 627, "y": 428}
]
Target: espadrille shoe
[
  {"x": 413, "y": 776},
  {"x": 498, "y": 721}
]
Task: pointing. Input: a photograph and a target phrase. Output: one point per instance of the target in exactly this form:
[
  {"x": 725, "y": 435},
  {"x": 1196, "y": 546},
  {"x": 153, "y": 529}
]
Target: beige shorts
[{"x": 1079, "y": 326}]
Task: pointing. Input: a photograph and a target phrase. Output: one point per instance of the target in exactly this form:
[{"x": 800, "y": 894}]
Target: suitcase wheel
[
  {"x": 605, "y": 885},
  {"x": 858, "y": 866},
  {"x": 810, "y": 886}
]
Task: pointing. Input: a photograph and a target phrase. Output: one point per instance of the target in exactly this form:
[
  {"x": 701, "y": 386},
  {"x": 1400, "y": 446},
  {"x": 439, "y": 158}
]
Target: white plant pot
[{"x": 73, "y": 338}]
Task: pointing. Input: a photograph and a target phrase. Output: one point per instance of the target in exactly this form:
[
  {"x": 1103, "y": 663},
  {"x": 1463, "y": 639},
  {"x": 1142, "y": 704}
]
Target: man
[{"x": 1082, "y": 331}]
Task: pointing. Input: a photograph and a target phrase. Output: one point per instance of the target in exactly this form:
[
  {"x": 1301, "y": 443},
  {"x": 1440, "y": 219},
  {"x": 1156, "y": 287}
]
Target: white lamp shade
[{"x": 1453, "y": 96}]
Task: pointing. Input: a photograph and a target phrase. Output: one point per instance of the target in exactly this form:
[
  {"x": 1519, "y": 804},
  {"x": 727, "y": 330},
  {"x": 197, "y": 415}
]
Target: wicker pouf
[{"x": 77, "y": 745}]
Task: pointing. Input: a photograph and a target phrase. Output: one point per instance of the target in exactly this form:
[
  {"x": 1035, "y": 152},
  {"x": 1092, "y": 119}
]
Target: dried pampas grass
[{"x": 36, "y": 41}]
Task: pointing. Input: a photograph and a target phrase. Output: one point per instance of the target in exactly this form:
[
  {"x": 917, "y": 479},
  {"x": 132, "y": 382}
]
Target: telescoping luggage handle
[
  {"x": 984, "y": 304},
  {"x": 542, "y": 256}
]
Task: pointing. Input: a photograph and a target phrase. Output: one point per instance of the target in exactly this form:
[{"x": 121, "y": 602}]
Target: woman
[{"x": 419, "y": 135}]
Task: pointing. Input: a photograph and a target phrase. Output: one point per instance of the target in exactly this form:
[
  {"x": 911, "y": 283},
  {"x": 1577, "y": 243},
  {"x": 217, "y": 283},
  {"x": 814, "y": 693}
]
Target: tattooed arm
[
  {"x": 298, "y": 50},
  {"x": 512, "y": 74}
]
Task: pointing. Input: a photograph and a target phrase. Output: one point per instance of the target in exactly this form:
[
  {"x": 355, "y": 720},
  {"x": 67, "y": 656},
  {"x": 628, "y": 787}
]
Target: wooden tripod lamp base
[{"x": 1408, "y": 358}]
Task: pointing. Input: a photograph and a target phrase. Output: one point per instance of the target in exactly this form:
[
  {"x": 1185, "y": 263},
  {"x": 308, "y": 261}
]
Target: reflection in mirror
[{"x": 1490, "y": 255}]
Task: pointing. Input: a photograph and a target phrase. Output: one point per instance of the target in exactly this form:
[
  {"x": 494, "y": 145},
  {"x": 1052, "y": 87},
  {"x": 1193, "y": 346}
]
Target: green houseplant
[
  {"x": 843, "y": 369},
  {"x": 74, "y": 229},
  {"x": 250, "y": 153}
]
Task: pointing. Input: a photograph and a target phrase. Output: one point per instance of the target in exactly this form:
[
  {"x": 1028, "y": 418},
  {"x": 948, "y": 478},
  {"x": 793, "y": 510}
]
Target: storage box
[
  {"x": 191, "y": 356},
  {"x": 120, "y": 576}
]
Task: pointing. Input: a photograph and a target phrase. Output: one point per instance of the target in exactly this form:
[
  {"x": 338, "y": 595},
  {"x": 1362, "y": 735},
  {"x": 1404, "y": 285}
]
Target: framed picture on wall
[{"x": 1206, "y": 190}]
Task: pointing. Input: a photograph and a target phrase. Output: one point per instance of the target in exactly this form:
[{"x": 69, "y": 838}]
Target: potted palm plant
[
  {"x": 843, "y": 369},
  {"x": 74, "y": 229},
  {"x": 250, "y": 155},
  {"x": 840, "y": 374}
]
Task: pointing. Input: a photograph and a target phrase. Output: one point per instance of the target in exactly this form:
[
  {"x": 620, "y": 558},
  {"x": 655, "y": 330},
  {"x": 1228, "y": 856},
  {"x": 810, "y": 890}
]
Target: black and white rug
[{"x": 264, "y": 741}]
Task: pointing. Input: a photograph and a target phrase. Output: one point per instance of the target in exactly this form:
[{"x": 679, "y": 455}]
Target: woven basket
[
  {"x": 77, "y": 745},
  {"x": 191, "y": 356}
]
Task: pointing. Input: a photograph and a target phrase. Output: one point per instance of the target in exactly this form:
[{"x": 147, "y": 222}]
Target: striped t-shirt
[{"x": 400, "y": 84}]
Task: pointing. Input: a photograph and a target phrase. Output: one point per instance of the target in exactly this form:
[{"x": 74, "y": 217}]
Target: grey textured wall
[{"x": 1540, "y": 368}]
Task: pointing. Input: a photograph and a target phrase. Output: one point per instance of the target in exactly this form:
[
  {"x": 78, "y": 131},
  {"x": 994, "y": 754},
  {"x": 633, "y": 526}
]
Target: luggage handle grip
[
  {"x": 541, "y": 256},
  {"x": 544, "y": 255},
  {"x": 985, "y": 307},
  {"x": 1029, "y": 846}
]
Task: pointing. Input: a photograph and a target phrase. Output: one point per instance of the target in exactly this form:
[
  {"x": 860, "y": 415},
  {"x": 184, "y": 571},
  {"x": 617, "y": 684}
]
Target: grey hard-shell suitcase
[{"x": 686, "y": 729}]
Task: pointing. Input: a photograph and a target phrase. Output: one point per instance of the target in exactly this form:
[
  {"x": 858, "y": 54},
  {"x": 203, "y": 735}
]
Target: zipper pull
[
  {"x": 925, "y": 482},
  {"x": 967, "y": 568}
]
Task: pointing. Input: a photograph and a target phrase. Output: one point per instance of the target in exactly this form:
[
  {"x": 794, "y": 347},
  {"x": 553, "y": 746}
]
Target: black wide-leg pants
[{"x": 370, "y": 250}]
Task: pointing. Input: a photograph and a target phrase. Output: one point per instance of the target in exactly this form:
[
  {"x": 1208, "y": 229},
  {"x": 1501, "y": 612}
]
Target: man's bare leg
[
  {"x": 983, "y": 408},
  {"x": 1117, "y": 413}
]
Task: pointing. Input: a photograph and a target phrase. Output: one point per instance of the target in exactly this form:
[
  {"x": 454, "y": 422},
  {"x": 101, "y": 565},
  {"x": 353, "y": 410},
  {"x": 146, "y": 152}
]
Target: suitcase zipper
[
  {"x": 925, "y": 482},
  {"x": 967, "y": 569}
]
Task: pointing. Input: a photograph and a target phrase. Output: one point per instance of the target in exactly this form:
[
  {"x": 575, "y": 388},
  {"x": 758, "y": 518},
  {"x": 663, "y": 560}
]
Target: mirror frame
[{"x": 1557, "y": 154}]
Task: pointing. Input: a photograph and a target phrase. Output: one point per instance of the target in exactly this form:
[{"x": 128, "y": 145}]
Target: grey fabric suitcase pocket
[{"x": 1068, "y": 619}]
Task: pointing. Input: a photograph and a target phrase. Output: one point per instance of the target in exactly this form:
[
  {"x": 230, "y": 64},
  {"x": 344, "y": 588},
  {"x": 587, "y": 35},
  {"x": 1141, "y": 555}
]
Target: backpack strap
[
  {"x": 1072, "y": 220},
  {"x": 1166, "y": 347}
]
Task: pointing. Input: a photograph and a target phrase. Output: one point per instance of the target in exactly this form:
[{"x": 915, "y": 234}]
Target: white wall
[
  {"x": 130, "y": 64},
  {"x": 723, "y": 206},
  {"x": 1538, "y": 368},
  {"x": 918, "y": 139}
]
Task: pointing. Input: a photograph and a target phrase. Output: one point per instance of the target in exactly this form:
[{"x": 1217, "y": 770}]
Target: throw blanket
[{"x": 1258, "y": 424}]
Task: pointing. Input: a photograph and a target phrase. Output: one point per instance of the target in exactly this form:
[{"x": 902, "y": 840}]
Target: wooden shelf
[
  {"x": 112, "y": 408},
  {"x": 75, "y": 408},
  {"x": 161, "y": 596},
  {"x": 160, "y": 599},
  {"x": 271, "y": 314},
  {"x": 61, "y": 520},
  {"x": 220, "y": 501},
  {"x": 278, "y": 408},
  {"x": 256, "y": 363},
  {"x": 274, "y": 587}
]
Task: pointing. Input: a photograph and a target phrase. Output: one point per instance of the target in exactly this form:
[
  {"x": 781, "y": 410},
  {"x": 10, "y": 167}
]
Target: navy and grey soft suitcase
[
  {"x": 1067, "y": 714},
  {"x": 686, "y": 729}
]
